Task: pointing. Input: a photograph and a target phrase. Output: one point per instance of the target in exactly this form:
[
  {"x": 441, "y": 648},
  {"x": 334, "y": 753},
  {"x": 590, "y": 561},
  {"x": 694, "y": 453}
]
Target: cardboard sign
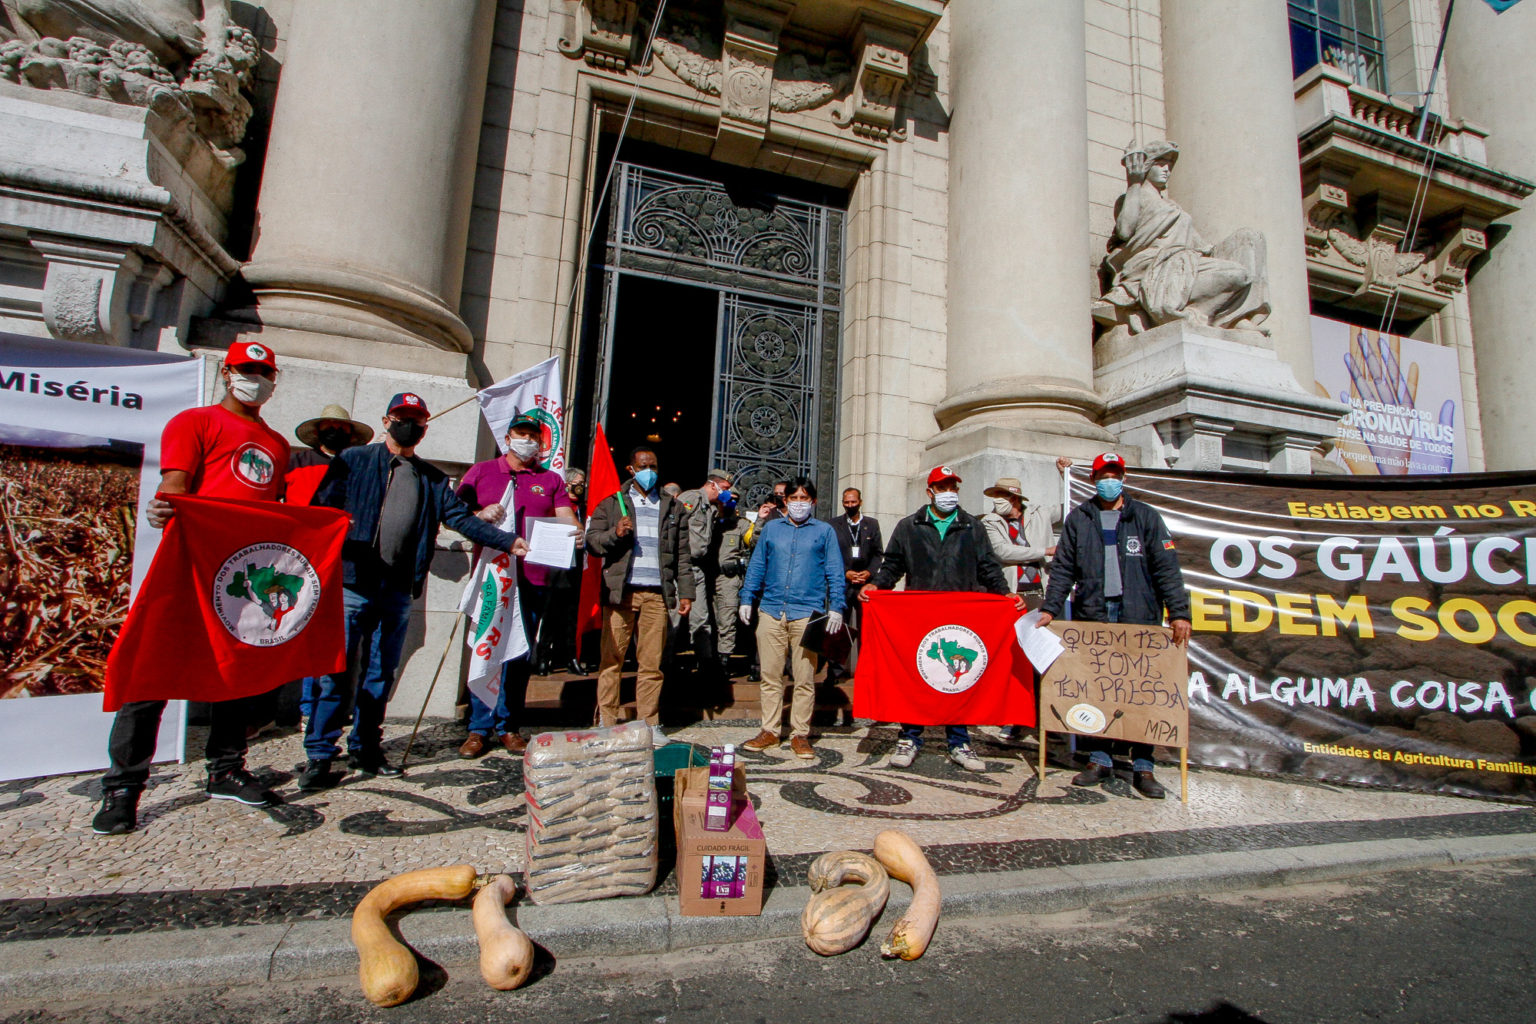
[{"x": 1118, "y": 681}]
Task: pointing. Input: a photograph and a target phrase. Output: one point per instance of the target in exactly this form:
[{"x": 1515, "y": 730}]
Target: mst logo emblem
[
  {"x": 266, "y": 594},
  {"x": 951, "y": 658},
  {"x": 254, "y": 464},
  {"x": 549, "y": 434}
]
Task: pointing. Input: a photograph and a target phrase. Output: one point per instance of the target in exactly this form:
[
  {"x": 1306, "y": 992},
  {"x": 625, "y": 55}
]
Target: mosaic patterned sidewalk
[{"x": 196, "y": 862}]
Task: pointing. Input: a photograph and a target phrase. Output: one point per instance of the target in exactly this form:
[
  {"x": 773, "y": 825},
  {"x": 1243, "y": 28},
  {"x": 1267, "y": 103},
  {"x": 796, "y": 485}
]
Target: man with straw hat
[
  {"x": 326, "y": 436},
  {"x": 1020, "y": 535}
]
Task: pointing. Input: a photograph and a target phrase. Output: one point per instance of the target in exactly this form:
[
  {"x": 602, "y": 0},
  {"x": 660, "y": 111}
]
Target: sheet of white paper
[
  {"x": 551, "y": 542},
  {"x": 1041, "y": 646}
]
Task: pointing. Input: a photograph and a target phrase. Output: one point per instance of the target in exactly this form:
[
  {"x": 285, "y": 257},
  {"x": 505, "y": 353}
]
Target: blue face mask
[
  {"x": 727, "y": 499},
  {"x": 646, "y": 478},
  {"x": 1109, "y": 488}
]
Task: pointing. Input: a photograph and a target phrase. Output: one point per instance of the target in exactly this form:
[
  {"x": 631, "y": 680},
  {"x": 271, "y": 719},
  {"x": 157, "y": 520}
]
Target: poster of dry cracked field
[{"x": 67, "y": 515}]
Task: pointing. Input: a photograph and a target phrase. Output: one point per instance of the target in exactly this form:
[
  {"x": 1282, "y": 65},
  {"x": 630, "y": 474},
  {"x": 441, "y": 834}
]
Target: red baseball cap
[
  {"x": 407, "y": 400},
  {"x": 242, "y": 352},
  {"x": 942, "y": 473},
  {"x": 1107, "y": 460}
]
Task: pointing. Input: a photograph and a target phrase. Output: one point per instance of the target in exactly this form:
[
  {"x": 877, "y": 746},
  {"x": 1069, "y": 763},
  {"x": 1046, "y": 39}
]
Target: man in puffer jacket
[{"x": 1119, "y": 555}]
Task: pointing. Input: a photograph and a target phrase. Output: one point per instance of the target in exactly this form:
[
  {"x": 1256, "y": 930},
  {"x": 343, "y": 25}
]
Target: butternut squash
[
  {"x": 386, "y": 968},
  {"x": 904, "y": 859},
  {"x": 838, "y": 916},
  {"x": 506, "y": 954}
]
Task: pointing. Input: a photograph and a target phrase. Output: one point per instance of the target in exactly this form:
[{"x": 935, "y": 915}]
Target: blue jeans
[
  {"x": 1099, "y": 750},
  {"x": 514, "y": 674},
  {"x": 376, "y": 619},
  {"x": 954, "y": 735}
]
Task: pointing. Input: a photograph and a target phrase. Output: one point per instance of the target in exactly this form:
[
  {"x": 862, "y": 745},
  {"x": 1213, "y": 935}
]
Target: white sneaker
[
  {"x": 904, "y": 755},
  {"x": 658, "y": 738},
  {"x": 965, "y": 758}
]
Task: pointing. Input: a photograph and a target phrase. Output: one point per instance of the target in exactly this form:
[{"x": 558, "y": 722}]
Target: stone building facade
[{"x": 853, "y": 237}]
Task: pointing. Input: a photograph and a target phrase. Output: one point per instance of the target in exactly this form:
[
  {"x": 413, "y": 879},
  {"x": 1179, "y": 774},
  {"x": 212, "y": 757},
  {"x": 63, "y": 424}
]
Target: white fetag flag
[
  {"x": 495, "y": 633},
  {"x": 535, "y": 391}
]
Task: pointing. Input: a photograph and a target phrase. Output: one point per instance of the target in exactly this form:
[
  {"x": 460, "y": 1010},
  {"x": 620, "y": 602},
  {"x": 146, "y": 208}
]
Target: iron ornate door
[{"x": 777, "y": 264}]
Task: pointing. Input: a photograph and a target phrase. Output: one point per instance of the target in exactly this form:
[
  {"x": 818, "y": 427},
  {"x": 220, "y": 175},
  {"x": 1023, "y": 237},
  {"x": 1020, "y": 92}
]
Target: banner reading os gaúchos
[{"x": 1373, "y": 632}]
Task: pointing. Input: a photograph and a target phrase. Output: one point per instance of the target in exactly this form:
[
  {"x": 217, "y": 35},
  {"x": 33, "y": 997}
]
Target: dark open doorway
[{"x": 662, "y": 384}]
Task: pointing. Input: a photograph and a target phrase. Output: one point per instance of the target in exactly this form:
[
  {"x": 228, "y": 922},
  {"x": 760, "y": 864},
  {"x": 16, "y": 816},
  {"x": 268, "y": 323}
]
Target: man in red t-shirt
[{"x": 218, "y": 451}]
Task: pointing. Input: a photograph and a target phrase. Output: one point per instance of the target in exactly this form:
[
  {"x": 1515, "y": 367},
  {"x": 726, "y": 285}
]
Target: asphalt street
[{"x": 1454, "y": 944}]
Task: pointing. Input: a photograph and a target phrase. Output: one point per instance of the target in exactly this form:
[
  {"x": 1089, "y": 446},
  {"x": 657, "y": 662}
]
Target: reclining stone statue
[{"x": 1159, "y": 269}]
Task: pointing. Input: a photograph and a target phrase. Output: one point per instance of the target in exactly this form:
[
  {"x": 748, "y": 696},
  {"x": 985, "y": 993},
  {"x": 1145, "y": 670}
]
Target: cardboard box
[{"x": 709, "y": 859}]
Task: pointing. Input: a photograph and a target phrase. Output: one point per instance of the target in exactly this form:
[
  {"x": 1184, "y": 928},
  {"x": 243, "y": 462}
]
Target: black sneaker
[
  {"x": 119, "y": 813},
  {"x": 373, "y": 764},
  {"x": 239, "y": 784},
  {"x": 1093, "y": 775},
  {"x": 317, "y": 775}
]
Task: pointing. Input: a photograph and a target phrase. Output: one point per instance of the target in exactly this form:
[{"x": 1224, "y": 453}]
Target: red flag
[
  {"x": 241, "y": 597},
  {"x": 602, "y": 481},
  {"x": 931, "y": 658}
]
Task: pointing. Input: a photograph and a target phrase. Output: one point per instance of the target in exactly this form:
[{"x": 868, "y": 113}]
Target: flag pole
[
  {"x": 453, "y": 632},
  {"x": 1434, "y": 74}
]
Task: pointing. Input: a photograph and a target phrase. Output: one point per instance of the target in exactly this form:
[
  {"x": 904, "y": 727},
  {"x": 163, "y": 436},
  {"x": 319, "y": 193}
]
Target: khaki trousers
[
  {"x": 777, "y": 638},
  {"x": 642, "y": 615}
]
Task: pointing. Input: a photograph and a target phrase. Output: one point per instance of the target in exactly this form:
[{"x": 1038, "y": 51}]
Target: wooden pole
[
  {"x": 1184, "y": 774},
  {"x": 453, "y": 632}
]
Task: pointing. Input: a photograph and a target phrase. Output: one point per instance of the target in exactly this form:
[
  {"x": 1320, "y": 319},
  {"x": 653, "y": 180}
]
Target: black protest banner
[{"x": 1377, "y": 632}]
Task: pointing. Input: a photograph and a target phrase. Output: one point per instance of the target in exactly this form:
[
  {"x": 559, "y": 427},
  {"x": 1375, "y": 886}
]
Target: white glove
[
  {"x": 744, "y": 613},
  {"x": 834, "y": 622},
  {"x": 159, "y": 512}
]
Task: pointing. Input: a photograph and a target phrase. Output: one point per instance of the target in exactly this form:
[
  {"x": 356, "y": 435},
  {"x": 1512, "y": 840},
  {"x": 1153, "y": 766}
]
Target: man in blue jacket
[
  {"x": 1118, "y": 553},
  {"x": 397, "y": 501},
  {"x": 796, "y": 573}
]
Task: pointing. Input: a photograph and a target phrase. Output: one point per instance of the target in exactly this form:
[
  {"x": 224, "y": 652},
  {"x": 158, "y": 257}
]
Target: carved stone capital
[
  {"x": 98, "y": 294},
  {"x": 1457, "y": 251},
  {"x": 604, "y": 35},
  {"x": 1325, "y": 206},
  {"x": 884, "y": 68}
]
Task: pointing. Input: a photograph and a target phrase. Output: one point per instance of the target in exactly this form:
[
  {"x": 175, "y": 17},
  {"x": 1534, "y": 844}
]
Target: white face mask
[
  {"x": 946, "y": 501},
  {"x": 1003, "y": 507},
  {"x": 249, "y": 389},
  {"x": 800, "y": 511},
  {"x": 525, "y": 448}
]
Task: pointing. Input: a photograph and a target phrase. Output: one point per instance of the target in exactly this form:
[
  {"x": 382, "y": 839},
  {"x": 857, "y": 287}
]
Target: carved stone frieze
[{"x": 184, "y": 59}]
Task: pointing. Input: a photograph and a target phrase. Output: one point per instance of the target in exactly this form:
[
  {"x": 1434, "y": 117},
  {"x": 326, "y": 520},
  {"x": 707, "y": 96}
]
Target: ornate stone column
[
  {"x": 1491, "y": 77},
  {"x": 1020, "y": 354},
  {"x": 1228, "y": 90},
  {"x": 365, "y": 196}
]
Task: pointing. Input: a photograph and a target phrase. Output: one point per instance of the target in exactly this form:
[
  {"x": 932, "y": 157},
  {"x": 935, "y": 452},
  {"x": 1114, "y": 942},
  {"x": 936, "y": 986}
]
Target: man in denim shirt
[{"x": 796, "y": 573}]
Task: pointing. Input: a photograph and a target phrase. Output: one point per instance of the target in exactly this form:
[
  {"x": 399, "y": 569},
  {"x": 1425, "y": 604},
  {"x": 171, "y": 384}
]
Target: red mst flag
[
  {"x": 602, "y": 480},
  {"x": 939, "y": 658},
  {"x": 242, "y": 596}
]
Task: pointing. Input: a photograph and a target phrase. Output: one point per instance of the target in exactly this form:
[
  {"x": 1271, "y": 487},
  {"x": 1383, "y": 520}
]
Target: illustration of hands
[{"x": 1401, "y": 437}]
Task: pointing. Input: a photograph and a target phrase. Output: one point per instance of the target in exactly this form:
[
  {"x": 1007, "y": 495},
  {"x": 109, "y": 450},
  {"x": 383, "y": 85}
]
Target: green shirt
[{"x": 942, "y": 523}]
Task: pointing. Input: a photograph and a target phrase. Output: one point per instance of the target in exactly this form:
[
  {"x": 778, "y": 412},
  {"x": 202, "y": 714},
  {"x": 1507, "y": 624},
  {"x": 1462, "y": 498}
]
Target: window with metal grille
[{"x": 1345, "y": 34}]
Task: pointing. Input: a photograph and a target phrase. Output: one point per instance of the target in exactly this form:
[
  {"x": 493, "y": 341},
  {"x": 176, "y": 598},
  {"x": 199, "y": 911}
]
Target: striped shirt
[{"x": 645, "y": 566}]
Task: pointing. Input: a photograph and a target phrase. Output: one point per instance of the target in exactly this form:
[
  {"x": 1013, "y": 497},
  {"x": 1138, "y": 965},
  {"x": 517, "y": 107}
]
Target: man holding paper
[
  {"x": 1116, "y": 560},
  {"x": 536, "y": 496}
]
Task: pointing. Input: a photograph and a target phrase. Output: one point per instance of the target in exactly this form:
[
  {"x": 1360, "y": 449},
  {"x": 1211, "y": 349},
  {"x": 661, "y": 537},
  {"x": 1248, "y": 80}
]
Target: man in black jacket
[
  {"x": 858, "y": 538},
  {"x": 940, "y": 547},
  {"x": 1118, "y": 553},
  {"x": 641, "y": 534},
  {"x": 396, "y": 501}
]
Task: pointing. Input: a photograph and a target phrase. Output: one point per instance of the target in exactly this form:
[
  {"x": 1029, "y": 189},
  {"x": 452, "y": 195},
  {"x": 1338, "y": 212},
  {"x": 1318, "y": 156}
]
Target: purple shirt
[{"x": 539, "y": 492}]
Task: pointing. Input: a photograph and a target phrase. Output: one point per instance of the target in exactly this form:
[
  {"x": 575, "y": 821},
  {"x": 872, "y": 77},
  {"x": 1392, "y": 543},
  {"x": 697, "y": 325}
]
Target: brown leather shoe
[
  {"x": 761, "y": 742},
  {"x": 473, "y": 746},
  {"x": 801, "y": 745},
  {"x": 514, "y": 742}
]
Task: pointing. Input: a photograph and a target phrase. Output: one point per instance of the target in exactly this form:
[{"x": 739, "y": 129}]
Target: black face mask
[
  {"x": 407, "y": 433},
  {"x": 851, "y": 510},
  {"x": 336, "y": 439}
]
